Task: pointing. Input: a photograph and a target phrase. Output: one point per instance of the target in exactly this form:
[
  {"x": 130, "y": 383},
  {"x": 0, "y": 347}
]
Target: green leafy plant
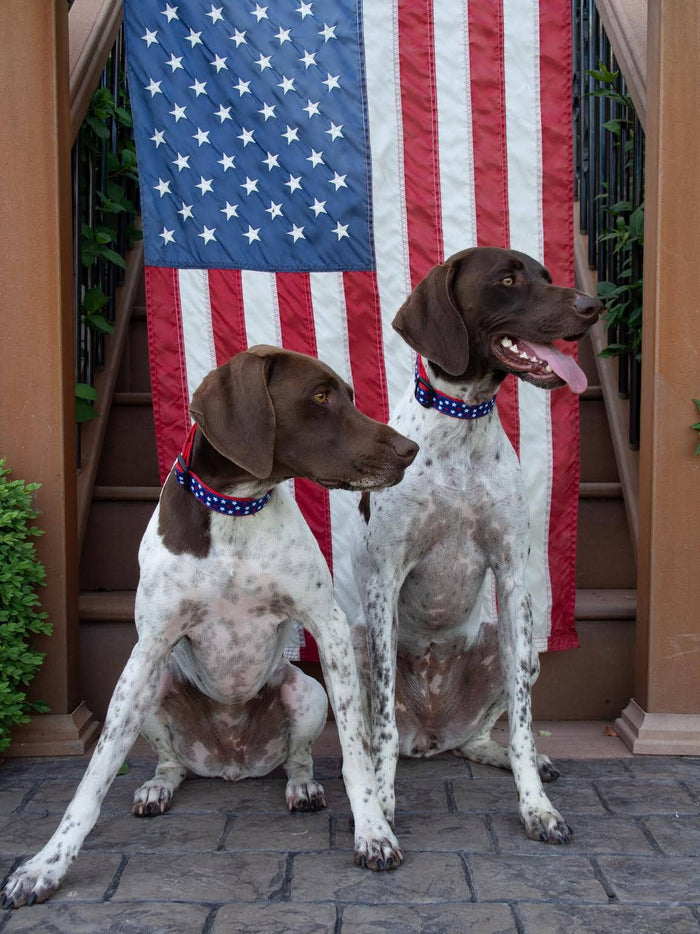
[
  {"x": 623, "y": 297},
  {"x": 20, "y": 617},
  {"x": 114, "y": 171},
  {"x": 696, "y": 426}
]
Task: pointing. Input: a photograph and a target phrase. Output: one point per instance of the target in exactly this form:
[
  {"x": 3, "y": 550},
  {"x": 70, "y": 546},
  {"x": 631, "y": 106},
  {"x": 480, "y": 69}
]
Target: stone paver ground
[{"x": 229, "y": 859}]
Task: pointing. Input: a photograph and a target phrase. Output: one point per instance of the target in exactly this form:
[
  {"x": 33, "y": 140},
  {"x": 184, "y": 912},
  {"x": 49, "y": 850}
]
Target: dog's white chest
[{"x": 233, "y": 610}]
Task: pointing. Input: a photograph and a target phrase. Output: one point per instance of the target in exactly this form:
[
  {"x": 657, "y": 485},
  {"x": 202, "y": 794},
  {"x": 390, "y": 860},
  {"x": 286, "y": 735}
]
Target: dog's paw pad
[
  {"x": 305, "y": 796},
  {"x": 152, "y": 798},
  {"x": 548, "y": 827}
]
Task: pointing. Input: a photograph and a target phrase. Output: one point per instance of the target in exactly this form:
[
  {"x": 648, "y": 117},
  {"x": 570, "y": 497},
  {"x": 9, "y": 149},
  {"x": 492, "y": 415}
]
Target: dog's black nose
[
  {"x": 588, "y": 307},
  {"x": 405, "y": 448}
]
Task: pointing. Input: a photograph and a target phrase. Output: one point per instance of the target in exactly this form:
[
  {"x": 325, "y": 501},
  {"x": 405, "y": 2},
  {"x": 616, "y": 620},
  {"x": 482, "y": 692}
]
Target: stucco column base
[
  {"x": 659, "y": 734},
  {"x": 70, "y": 734}
]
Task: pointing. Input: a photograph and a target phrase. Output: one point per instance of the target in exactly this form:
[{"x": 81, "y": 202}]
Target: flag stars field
[{"x": 255, "y": 117}]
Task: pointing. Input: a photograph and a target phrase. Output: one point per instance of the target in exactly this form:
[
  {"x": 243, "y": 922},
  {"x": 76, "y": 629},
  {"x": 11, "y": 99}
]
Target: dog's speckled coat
[
  {"x": 207, "y": 683},
  {"x": 440, "y": 676}
]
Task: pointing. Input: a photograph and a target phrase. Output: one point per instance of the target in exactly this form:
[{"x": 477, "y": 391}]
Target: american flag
[{"x": 304, "y": 164}]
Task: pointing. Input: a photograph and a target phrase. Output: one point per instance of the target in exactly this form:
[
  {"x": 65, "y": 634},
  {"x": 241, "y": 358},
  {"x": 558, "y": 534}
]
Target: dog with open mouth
[{"x": 439, "y": 675}]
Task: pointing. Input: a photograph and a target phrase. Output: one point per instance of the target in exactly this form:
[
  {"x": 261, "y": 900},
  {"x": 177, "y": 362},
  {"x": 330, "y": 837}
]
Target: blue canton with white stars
[
  {"x": 430, "y": 398},
  {"x": 251, "y": 133}
]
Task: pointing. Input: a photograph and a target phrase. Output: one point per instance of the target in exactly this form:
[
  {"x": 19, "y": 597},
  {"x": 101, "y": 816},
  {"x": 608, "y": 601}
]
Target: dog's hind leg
[
  {"x": 155, "y": 796},
  {"x": 487, "y": 751},
  {"x": 307, "y": 705}
]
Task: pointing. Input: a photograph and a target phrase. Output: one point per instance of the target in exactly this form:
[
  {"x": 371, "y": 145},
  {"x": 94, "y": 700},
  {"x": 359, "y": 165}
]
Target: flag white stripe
[
  {"x": 456, "y": 145},
  {"x": 260, "y": 308},
  {"x": 198, "y": 334},
  {"x": 524, "y": 146},
  {"x": 456, "y": 157},
  {"x": 330, "y": 319},
  {"x": 330, "y": 316},
  {"x": 388, "y": 198}
]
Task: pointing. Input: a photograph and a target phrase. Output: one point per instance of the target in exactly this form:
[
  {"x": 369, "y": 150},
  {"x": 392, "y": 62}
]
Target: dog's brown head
[
  {"x": 278, "y": 414},
  {"x": 488, "y": 310}
]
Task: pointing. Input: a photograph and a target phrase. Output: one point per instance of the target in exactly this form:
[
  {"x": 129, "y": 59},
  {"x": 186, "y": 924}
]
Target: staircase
[{"x": 590, "y": 683}]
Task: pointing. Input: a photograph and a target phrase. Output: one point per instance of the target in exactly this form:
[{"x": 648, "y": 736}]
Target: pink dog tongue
[{"x": 563, "y": 365}]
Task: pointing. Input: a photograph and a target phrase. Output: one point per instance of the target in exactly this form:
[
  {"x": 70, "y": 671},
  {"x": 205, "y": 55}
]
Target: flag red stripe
[
  {"x": 489, "y": 122},
  {"x": 299, "y": 334},
  {"x": 507, "y": 402},
  {"x": 557, "y": 141},
  {"x": 168, "y": 371},
  {"x": 366, "y": 344},
  {"x": 227, "y": 314},
  {"x": 420, "y": 137},
  {"x": 557, "y": 203},
  {"x": 488, "y": 96}
]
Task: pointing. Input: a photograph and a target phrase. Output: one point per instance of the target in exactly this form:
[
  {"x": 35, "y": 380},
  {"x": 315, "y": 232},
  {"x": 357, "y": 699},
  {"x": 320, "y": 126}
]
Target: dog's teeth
[
  {"x": 524, "y": 355},
  {"x": 548, "y": 369},
  {"x": 507, "y": 342},
  {"x": 514, "y": 348}
]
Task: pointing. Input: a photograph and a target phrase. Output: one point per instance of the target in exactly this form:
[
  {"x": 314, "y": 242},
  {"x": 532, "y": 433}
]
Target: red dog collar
[
  {"x": 227, "y": 505},
  {"x": 430, "y": 398}
]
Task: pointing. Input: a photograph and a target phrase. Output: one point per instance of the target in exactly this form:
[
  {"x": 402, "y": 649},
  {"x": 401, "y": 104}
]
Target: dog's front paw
[
  {"x": 30, "y": 884},
  {"x": 152, "y": 798},
  {"x": 547, "y": 826},
  {"x": 378, "y": 854},
  {"x": 305, "y": 796}
]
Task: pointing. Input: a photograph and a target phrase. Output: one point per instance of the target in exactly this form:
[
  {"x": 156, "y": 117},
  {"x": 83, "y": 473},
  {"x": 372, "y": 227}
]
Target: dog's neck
[
  {"x": 221, "y": 474},
  {"x": 473, "y": 389}
]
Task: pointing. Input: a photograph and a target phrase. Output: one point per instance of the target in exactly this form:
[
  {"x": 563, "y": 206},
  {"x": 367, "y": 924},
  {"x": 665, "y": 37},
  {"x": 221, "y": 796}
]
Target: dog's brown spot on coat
[{"x": 364, "y": 507}]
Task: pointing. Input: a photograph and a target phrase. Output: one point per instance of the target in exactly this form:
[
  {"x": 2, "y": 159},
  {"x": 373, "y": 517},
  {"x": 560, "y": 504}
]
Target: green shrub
[{"x": 20, "y": 575}]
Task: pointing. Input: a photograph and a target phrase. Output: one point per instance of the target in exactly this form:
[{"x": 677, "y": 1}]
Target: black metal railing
[
  {"x": 105, "y": 195},
  {"x": 609, "y": 186}
]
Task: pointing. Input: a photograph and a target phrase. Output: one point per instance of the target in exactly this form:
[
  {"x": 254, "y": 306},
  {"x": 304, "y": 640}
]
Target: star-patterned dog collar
[
  {"x": 430, "y": 398},
  {"x": 226, "y": 505}
]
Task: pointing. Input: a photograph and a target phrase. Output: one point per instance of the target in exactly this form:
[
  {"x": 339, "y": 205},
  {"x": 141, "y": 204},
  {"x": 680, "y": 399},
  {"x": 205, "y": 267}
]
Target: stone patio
[{"x": 229, "y": 858}]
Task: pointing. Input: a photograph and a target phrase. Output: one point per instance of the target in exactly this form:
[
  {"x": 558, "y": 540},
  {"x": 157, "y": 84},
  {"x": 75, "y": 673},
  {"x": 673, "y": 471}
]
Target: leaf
[
  {"x": 84, "y": 412},
  {"x": 113, "y": 257},
  {"x": 637, "y": 222},
  {"x": 612, "y": 126},
  {"x": 85, "y": 391},
  {"x": 94, "y": 299}
]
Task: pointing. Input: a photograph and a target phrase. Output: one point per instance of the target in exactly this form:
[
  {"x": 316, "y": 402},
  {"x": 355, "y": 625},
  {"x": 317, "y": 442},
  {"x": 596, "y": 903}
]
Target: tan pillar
[
  {"x": 664, "y": 716},
  {"x": 37, "y": 427}
]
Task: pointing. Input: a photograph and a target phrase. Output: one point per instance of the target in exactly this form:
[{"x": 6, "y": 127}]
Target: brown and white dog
[
  {"x": 228, "y": 566},
  {"x": 440, "y": 675}
]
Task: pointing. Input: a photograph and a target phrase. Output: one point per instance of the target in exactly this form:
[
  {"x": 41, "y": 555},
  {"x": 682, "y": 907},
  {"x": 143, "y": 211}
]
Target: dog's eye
[
  {"x": 321, "y": 397},
  {"x": 508, "y": 280}
]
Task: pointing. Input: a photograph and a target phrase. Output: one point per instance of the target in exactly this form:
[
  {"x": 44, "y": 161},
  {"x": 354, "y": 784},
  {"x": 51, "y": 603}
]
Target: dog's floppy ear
[
  {"x": 233, "y": 408},
  {"x": 430, "y": 322}
]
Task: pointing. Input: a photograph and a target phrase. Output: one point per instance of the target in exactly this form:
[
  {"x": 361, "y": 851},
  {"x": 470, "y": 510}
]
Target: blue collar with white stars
[
  {"x": 430, "y": 398},
  {"x": 226, "y": 505}
]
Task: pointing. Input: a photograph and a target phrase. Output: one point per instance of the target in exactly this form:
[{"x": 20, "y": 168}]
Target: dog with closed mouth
[
  {"x": 228, "y": 567},
  {"x": 439, "y": 674}
]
